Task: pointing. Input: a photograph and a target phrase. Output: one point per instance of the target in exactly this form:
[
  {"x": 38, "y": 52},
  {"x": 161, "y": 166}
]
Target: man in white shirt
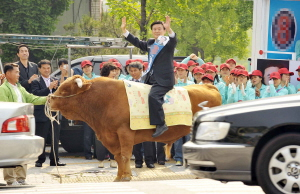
[{"x": 43, "y": 86}]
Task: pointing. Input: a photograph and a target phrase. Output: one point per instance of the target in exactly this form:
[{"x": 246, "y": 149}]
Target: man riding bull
[{"x": 159, "y": 73}]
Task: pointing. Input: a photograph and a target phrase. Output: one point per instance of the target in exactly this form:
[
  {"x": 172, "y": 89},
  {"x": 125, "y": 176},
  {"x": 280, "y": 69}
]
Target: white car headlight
[{"x": 212, "y": 130}]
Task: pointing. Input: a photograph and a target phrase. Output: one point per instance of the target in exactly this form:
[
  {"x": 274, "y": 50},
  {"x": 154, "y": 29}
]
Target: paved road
[
  {"x": 84, "y": 176},
  {"x": 192, "y": 186}
]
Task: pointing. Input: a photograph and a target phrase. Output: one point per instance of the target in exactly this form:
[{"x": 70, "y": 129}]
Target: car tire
[
  {"x": 72, "y": 140},
  {"x": 278, "y": 165}
]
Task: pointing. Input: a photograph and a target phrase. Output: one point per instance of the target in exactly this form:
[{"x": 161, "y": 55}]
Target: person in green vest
[{"x": 12, "y": 91}]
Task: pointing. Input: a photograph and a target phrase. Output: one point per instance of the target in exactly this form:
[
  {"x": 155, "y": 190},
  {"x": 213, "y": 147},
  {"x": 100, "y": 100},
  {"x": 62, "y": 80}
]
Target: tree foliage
[
  {"x": 209, "y": 27},
  {"x": 37, "y": 17}
]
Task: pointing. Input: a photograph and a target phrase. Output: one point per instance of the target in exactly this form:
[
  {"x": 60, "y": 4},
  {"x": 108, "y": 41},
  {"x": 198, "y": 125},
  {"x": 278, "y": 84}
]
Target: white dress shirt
[{"x": 17, "y": 91}]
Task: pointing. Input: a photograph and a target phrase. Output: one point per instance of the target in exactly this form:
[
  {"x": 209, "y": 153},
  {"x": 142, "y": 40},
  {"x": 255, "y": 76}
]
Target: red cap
[
  {"x": 208, "y": 76},
  {"x": 182, "y": 66},
  {"x": 86, "y": 62},
  {"x": 210, "y": 63},
  {"x": 298, "y": 79},
  {"x": 285, "y": 71},
  {"x": 191, "y": 63},
  {"x": 212, "y": 68},
  {"x": 231, "y": 60},
  {"x": 240, "y": 67},
  {"x": 242, "y": 72},
  {"x": 118, "y": 65},
  {"x": 112, "y": 60},
  {"x": 256, "y": 73},
  {"x": 275, "y": 75},
  {"x": 198, "y": 70},
  {"x": 145, "y": 64},
  {"x": 205, "y": 66},
  {"x": 102, "y": 64},
  {"x": 298, "y": 68},
  {"x": 138, "y": 60},
  {"x": 233, "y": 71},
  {"x": 175, "y": 63},
  {"x": 129, "y": 61},
  {"x": 224, "y": 65}
]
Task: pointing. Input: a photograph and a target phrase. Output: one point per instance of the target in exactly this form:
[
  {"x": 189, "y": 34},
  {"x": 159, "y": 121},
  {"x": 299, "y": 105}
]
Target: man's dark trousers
[
  {"x": 156, "y": 100},
  {"x": 148, "y": 153},
  {"x": 42, "y": 130}
]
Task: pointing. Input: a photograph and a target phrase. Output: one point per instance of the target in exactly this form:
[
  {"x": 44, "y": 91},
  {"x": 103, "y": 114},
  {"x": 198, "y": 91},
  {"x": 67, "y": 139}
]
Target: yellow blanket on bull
[{"x": 177, "y": 106}]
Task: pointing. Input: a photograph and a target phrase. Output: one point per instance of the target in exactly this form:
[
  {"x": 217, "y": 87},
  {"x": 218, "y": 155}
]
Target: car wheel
[{"x": 278, "y": 165}]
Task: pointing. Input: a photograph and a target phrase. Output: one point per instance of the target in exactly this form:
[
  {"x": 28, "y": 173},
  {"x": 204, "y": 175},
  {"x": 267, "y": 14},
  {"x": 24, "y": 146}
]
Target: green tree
[
  {"x": 30, "y": 17},
  {"x": 209, "y": 27}
]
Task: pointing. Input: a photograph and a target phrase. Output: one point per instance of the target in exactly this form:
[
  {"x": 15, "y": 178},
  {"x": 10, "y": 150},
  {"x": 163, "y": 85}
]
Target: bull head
[{"x": 73, "y": 86}]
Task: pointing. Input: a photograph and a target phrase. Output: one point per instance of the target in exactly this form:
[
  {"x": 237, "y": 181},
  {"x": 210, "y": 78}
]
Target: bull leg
[
  {"x": 168, "y": 148},
  {"x": 118, "y": 159},
  {"x": 127, "y": 171}
]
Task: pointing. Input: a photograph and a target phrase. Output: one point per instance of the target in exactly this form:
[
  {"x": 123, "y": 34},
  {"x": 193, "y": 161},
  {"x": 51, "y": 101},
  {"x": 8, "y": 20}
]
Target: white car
[{"x": 18, "y": 142}]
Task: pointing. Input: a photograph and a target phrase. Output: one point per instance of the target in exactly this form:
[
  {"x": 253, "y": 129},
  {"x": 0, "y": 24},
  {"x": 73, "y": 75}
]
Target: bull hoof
[
  {"x": 125, "y": 179},
  {"x": 117, "y": 179}
]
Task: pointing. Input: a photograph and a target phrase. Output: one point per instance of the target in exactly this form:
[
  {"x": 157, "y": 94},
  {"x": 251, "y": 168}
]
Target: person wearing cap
[
  {"x": 275, "y": 88},
  {"x": 181, "y": 76},
  {"x": 285, "y": 80},
  {"x": 298, "y": 86},
  {"x": 257, "y": 84},
  {"x": 127, "y": 76},
  {"x": 232, "y": 63},
  {"x": 198, "y": 73},
  {"x": 208, "y": 79},
  {"x": 192, "y": 61},
  {"x": 240, "y": 91},
  {"x": 88, "y": 132},
  {"x": 212, "y": 70},
  {"x": 119, "y": 75},
  {"x": 224, "y": 72},
  {"x": 240, "y": 67}
]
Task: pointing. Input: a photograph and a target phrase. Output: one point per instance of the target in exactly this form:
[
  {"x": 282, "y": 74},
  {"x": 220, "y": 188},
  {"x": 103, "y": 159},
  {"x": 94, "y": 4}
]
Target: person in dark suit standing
[
  {"x": 28, "y": 70},
  {"x": 42, "y": 86},
  {"x": 159, "y": 73}
]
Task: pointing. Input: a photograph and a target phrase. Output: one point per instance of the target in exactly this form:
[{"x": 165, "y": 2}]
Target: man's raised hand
[
  {"x": 123, "y": 26},
  {"x": 167, "y": 24}
]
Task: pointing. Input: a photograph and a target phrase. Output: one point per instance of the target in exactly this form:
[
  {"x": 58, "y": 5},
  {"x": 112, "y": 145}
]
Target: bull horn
[{"x": 79, "y": 82}]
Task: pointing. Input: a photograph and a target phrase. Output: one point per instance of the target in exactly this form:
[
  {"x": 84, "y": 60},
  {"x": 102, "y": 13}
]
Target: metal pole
[
  {"x": 69, "y": 62},
  {"x": 130, "y": 57},
  {"x": 1, "y": 67}
]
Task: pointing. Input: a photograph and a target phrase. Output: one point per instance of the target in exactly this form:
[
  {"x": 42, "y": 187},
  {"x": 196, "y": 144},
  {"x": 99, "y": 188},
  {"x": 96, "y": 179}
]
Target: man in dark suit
[
  {"x": 42, "y": 86},
  {"x": 160, "y": 68},
  {"x": 28, "y": 70}
]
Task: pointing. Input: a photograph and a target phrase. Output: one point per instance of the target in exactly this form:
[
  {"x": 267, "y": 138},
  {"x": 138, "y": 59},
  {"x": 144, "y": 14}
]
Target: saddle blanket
[{"x": 177, "y": 106}]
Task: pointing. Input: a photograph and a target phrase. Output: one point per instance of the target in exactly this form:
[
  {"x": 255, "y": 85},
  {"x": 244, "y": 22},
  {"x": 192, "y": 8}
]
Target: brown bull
[{"x": 102, "y": 103}]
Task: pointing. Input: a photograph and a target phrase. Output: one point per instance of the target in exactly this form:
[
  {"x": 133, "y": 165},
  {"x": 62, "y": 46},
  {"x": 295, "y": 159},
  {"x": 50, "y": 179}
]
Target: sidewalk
[{"x": 80, "y": 170}]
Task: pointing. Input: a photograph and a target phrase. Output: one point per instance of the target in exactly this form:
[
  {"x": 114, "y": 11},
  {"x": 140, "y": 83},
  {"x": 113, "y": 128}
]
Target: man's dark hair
[
  {"x": 44, "y": 61},
  {"x": 22, "y": 45},
  {"x": 157, "y": 22},
  {"x": 62, "y": 61},
  {"x": 107, "y": 67},
  {"x": 9, "y": 67},
  {"x": 137, "y": 65}
]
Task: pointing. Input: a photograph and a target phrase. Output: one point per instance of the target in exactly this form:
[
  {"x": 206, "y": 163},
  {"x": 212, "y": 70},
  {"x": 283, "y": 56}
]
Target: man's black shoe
[
  {"x": 89, "y": 157},
  {"x": 58, "y": 164},
  {"x": 37, "y": 164},
  {"x": 160, "y": 129},
  {"x": 150, "y": 166},
  {"x": 161, "y": 162},
  {"x": 138, "y": 165}
]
